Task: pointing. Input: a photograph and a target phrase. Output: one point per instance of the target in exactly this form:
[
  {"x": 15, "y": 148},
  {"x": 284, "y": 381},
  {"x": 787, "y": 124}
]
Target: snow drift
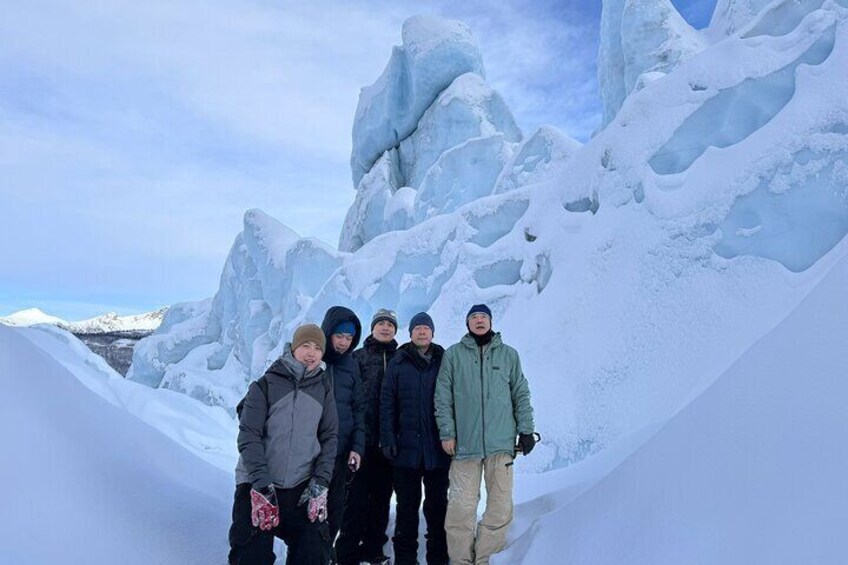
[
  {"x": 86, "y": 482},
  {"x": 750, "y": 472}
]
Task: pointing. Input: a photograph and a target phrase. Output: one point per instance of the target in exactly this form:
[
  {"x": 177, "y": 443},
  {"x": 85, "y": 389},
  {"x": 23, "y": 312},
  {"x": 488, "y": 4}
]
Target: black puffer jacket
[
  {"x": 407, "y": 411},
  {"x": 347, "y": 384},
  {"x": 373, "y": 358}
]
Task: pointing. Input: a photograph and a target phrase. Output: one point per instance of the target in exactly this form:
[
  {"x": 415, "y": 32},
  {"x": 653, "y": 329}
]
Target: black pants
[
  {"x": 308, "y": 543},
  {"x": 408, "y": 494},
  {"x": 337, "y": 495},
  {"x": 363, "y": 531}
]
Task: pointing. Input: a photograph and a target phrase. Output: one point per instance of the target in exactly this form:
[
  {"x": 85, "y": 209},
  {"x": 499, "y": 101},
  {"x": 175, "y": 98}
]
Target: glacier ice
[
  {"x": 467, "y": 130},
  {"x": 736, "y": 112},
  {"x": 434, "y": 52},
  {"x": 537, "y": 159},
  {"x": 639, "y": 37},
  {"x": 646, "y": 276}
]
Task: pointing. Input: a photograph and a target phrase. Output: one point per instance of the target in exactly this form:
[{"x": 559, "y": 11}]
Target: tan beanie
[{"x": 308, "y": 332}]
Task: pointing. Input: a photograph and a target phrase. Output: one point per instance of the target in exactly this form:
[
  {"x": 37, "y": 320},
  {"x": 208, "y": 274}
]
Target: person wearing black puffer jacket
[
  {"x": 342, "y": 331},
  {"x": 363, "y": 531},
  {"x": 409, "y": 438}
]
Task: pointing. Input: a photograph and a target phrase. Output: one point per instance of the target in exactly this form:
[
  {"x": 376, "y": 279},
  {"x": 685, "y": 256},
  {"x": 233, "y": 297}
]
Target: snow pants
[
  {"x": 366, "y": 518},
  {"x": 308, "y": 542},
  {"x": 464, "y": 547},
  {"x": 408, "y": 495}
]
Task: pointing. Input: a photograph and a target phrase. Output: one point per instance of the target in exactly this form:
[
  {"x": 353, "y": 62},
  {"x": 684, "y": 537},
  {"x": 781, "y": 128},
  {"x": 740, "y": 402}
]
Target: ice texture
[
  {"x": 434, "y": 52},
  {"x": 453, "y": 156},
  {"x": 639, "y": 37}
]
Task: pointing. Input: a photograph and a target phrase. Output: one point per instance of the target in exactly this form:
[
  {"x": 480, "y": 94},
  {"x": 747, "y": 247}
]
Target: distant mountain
[
  {"x": 106, "y": 323},
  {"x": 111, "y": 322},
  {"x": 31, "y": 317}
]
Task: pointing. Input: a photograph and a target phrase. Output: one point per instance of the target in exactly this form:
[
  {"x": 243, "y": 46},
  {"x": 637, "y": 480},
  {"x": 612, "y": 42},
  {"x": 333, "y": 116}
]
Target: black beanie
[{"x": 422, "y": 319}]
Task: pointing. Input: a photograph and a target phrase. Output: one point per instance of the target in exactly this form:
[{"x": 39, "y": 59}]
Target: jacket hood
[
  {"x": 289, "y": 367},
  {"x": 337, "y": 315}
]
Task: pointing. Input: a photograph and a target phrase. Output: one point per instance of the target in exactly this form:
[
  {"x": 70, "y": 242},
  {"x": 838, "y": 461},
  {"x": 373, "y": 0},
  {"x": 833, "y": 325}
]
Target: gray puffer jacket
[{"x": 290, "y": 435}]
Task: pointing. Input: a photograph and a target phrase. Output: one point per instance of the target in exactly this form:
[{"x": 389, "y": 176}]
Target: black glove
[
  {"x": 527, "y": 442},
  {"x": 390, "y": 452}
]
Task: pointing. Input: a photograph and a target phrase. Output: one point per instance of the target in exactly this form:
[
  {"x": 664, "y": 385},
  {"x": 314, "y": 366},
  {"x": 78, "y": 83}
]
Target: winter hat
[
  {"x": 478, "y": 309},
  {"x": 383, "y": 314},
  {"x": 308, "y": 332},
  {"x": 345, "y": 328},
  {"x": 421, "y": 319}
]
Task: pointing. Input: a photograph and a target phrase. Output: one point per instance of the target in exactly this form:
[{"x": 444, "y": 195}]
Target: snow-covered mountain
[
  {"x": 31, "y": 317},
  {"x": 106, "y": 323},
  {"x": 630, "y": 272}
]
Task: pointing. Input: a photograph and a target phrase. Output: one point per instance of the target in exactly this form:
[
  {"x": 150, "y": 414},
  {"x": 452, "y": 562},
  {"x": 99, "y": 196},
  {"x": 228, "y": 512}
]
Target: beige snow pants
[{"x": 463, "y": 497}]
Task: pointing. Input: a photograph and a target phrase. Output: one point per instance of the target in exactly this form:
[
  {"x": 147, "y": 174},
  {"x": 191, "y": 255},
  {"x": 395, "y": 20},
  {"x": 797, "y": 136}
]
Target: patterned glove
[
  {"x": 264, "y": 512},
  {"x": 315, "y": 494}
]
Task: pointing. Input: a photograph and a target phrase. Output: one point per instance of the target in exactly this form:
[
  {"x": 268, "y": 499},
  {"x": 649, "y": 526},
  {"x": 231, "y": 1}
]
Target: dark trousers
[
  {"x": 408, "y": 494},
  {"x": 308, "y": 543},
  {"x": 337, "y": 495},
  {"x": 363, "y": 531}
]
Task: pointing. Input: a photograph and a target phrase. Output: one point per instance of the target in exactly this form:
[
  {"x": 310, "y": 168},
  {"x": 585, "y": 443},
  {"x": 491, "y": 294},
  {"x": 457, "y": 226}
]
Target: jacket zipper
[{"x": 482, "y": 405}]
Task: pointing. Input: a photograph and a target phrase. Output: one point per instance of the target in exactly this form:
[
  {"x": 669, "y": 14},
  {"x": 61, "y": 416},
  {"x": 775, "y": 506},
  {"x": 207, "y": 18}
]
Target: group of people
[{"x": 329, "y": 432}]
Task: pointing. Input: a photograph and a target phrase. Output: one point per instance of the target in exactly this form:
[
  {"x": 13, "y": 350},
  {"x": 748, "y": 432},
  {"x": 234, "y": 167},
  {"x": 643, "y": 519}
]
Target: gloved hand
[
  {"x": 390, "y": 452},
  {"x": 315, "y": 494},
  {"x": 527, "y": 442},
  {"x": 264, "y": 512}
]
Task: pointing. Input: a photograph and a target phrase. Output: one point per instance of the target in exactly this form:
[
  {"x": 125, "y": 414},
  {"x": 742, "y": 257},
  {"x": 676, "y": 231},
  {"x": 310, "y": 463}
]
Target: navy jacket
[
  {"x": 347, "y": 385},
  {"x": 407, "y": 411},
  {"x": 373, "y": 359}
]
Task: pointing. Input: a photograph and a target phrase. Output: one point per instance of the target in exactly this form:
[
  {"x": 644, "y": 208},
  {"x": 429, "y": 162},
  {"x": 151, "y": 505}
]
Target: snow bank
[
  {"x": 86, "y": 482},
  {"x": 748, "y": 472}
]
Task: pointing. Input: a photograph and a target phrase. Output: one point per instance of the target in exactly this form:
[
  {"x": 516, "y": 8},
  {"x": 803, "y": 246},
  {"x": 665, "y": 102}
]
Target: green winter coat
[{"x": 482, "y": 398}]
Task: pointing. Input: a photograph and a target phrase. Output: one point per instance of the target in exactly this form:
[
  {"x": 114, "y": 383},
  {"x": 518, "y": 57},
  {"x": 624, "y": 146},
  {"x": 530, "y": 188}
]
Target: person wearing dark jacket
[
  {"x": 342, "y": 330},
  {"x": 287, "y": 441},
  {"x": 363, "y": 531},
  {"x": 409, "y": 438}
]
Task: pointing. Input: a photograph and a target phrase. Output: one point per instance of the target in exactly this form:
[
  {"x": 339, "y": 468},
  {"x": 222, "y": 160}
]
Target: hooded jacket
[
  {"x": 407, "y": 413},
  {"x": 347, "y": 385},
  {"x": 290, "y": 435},
  {"x": 482, "y": 398},
  {"x": 373, "y": 359}
]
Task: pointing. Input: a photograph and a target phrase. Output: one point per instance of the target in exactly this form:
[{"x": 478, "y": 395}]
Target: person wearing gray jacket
[{"x": 288, "y": 428}]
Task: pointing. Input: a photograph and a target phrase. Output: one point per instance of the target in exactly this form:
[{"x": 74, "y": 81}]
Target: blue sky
[{"x": 134, "y": 135}]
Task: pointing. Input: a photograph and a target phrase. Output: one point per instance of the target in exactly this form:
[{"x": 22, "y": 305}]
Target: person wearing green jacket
[{"x": 482, "y": 402}]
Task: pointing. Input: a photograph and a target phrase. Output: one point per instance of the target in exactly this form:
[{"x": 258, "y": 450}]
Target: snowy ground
[
  {"x": 87, "y": 482},
  {"x": 751, "y": 471}
]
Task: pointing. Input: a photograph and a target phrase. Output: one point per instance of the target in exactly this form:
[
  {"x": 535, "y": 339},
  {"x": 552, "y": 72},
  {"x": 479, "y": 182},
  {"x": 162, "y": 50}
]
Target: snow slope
[
  {"x": 751, "y": 471},
  {"x": 86, "y": 482},
  {"x": 207, "y": 431}
]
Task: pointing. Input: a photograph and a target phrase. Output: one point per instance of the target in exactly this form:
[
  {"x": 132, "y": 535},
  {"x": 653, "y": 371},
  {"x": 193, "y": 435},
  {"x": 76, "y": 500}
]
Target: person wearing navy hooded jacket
[
  {"x": 409, "y": 438},
  {"x": 343, "y": 330}
]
